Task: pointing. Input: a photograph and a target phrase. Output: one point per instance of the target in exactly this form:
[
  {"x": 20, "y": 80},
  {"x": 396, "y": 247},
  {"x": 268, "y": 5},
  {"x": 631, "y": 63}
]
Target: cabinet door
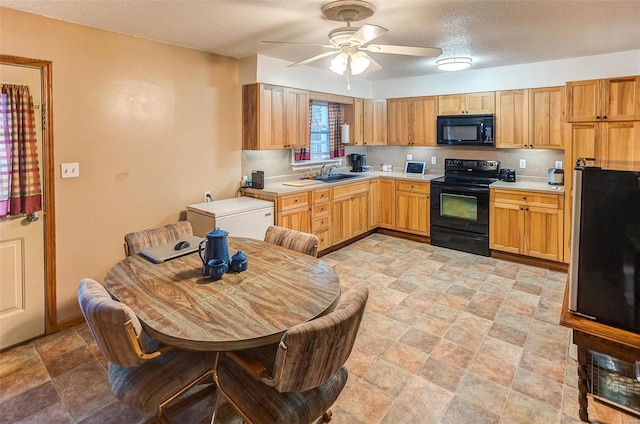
[
  {"x": 272, "y": 116},
  {"x": 375, "y": 122},
  {"x": 506, "y": 227},
  {"x": 583, "y": 100},
  {"x": 297, "y": 115},
  {"x": 512, "y": 119},
  {"x": 543, "y": 233},
  {"x": 620, "y": 99},
  {"x": 620, "y": 143},
  {"x": 374, "y": 204},
  {"x": 546, "y": 117},
  {"x": 425, "y": 111},
  {"x": 399, "y": 115},
  {"x": 296, "y": 219},
  {"x": 452, "y": 104},
  {"x": 359, "y": 215},
  {"x": 341, "y": 225},
  {"x": 387, "y": 203},
  {"x": 358, "y": 121},
  {"x": 412, "y": 212},
  {"x": 480, "y": 103}
]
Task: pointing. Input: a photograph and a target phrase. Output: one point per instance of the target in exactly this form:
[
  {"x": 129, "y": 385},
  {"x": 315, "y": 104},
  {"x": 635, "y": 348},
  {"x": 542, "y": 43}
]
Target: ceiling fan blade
[
  {"x": 312, "y": 59},
  {"x": 329, "y": 46},
  {"x": 404, "y": 50},
  {"x": 367, "y": 33}
]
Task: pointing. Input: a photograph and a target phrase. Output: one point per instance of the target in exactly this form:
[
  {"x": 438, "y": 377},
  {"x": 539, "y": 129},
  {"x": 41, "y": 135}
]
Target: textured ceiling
[{"x": 493, "y": 33}]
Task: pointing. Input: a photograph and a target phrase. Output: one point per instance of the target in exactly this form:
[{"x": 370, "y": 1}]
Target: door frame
[{"x": 48, "y": 174}]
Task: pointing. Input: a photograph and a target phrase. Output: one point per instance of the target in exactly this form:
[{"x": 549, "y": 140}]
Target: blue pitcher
[{"x": 215, "y": 247}]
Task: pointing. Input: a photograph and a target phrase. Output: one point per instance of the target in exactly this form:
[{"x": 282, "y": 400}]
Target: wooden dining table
[{"x": 180, "y": 307}]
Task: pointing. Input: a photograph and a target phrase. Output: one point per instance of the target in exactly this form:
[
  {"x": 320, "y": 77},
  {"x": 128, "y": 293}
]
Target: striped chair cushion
[
  {"x": 293, "y": 240},
  {"x": 106, "y": 318},
  {"x": 317, "y": 349},
  {"x": 140, "y": 240},
  {"x": 263, "y": 405}
]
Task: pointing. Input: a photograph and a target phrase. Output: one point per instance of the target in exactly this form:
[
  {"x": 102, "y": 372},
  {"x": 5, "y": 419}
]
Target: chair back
[
  {"x": 293, "y": 240},
  {"x": 311, "y": 353},
  {"x": 106, "y": 319},
  {"x": 140, "y": 240}
]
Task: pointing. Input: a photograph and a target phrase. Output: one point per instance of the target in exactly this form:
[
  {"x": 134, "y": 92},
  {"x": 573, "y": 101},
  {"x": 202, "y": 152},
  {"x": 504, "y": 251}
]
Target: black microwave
[{"x": 465, "y": 130}]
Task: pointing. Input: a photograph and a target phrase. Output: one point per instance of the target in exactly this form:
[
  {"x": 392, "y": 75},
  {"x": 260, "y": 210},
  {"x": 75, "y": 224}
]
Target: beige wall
[{"x": 152, "y": 125}]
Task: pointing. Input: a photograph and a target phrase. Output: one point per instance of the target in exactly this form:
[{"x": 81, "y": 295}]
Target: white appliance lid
[{"x": 225, "y": 207}]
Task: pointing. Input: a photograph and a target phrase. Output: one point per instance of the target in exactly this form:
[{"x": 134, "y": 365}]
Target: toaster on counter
[{"x": 508, "y": 175}]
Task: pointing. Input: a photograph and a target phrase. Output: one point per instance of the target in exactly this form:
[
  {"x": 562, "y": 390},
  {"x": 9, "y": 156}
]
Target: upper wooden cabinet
[
  {"x": 611, "y": 99},
  {"x": 374, "y": 122},
  {"x": 532, "y": 118},
  {"x": 469, "y": 103},
  {"x": 512, "y": 119},
  {"x": 547, "y": 117},
  {"x": 274, "y": 117},
  {"x": 412, "y": 121}
]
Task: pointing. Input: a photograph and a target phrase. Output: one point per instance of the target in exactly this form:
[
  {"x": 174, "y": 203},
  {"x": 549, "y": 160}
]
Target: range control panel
[{"x": 471, "y": 165}]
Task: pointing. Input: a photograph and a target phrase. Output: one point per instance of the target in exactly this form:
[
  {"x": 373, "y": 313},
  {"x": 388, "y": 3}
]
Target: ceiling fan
[{"x": 352, "y": 43}]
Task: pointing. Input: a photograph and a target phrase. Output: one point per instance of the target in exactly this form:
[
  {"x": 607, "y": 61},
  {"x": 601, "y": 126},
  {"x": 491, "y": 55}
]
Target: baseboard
[
  {"x": 528, "y": 260},
  {"x": 71, "y": 322}
]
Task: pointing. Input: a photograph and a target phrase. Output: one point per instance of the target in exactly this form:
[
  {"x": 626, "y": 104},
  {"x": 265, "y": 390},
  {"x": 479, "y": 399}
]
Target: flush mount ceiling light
[{"x": 453, "y": 63}]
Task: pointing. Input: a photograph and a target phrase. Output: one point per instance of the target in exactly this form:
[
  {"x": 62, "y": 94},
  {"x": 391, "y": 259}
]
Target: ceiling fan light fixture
[
  {"x": 359, "y": 63},
  {"x": 339, "y": 63},
  {"x": 453, "y": 63}
]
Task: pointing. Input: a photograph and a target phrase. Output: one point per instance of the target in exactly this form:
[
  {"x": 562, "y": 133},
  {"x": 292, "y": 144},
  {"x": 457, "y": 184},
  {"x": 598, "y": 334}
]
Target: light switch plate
[
  {"x": 69, "y": 170},
  {"x": 558, "y": 164},
  {"x": 523, "y": 163},
  {"x": 409, "y": 157}
]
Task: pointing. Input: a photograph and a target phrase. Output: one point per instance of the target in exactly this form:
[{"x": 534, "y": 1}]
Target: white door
[{"x": 22, "y": 275}]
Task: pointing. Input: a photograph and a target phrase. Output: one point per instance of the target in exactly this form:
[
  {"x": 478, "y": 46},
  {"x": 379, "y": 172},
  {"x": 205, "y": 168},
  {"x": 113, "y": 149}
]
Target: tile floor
[{"x": 447, "y": 337}]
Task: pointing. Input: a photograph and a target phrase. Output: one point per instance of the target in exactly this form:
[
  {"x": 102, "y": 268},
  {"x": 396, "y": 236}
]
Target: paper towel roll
[{"x": 345, "y": 133}]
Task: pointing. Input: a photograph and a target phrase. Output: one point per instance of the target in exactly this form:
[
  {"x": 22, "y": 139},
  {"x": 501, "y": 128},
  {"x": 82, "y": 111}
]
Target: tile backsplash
[{"x": 277, "y": 163}]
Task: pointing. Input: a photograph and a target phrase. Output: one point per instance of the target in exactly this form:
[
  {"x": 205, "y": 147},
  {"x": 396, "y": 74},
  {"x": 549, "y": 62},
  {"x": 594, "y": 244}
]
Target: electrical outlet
[
  {"x": 69, "y": 170},
  {"x": 523, "y": 163},
  {"x": 409, "y": 157},
  {"x": 433, "y": 160},
  {"x": 558, "y": 164},
  {"x": 207, "y": 197}
]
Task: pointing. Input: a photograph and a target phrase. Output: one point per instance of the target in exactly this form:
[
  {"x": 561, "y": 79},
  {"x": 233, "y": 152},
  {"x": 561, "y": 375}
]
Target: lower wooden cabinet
[
  {"x": 412, "y": 207},
  {"x": 294, "y": 211},
  {"x": 527, "y": 223},
  {"x": 374, "y": 204},
  {"x": 321, "y": 217},
  {"x": 387, "y": 218},
  {"x": 349, "y": 211}
]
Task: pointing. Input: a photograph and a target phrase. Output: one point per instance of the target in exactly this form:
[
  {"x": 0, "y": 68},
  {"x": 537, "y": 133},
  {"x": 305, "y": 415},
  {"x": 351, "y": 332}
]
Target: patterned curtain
[
  {"x": 336, "y": 149},
  {"x": 20, "y": 191}
]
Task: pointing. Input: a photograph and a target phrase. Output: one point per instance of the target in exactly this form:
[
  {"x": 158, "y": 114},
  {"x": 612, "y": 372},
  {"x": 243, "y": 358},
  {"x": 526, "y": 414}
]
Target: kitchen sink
[{"x": 335, "y": 177}]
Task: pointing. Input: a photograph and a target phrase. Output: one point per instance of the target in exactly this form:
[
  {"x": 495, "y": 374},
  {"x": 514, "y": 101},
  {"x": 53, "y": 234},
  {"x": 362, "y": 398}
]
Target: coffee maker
[{"x": 357, "y": 162}]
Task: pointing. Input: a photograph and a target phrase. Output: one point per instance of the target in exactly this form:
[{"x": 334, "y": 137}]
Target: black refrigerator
[{"x": 604, "y": 282}]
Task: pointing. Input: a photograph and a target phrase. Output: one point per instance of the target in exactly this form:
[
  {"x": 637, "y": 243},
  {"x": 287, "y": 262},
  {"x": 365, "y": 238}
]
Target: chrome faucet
[{"x": 328, "y": 171}]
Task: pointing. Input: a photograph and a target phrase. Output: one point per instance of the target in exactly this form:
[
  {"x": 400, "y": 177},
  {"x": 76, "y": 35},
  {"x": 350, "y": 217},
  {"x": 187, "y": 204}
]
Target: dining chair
[
  {"x": 143, "y": 239},
  {"x": 293, "y": 240},
  {"x": 142, "y": 375},
  {"x": 306, "y": 377}
]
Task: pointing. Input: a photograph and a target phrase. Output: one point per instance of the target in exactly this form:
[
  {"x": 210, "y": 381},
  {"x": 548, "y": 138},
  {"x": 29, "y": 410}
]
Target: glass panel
[
  {"x": 461, "y": 132},
  {"x": 319, "y": 143},
  {"x": 459, "y": 206}
]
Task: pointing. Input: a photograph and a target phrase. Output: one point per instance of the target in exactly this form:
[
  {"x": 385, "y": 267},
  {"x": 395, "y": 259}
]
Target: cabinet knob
[
  {"x": 604, "y": 117},
  {"x": 597, "y": 117},
  {"x": 295, "y": 200}
]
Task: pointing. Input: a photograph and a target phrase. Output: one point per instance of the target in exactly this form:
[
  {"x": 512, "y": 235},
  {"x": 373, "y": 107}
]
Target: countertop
[{"x": 277, "y": 188}]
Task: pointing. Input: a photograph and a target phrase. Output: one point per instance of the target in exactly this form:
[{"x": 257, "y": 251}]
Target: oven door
[{"x": 459, "y": 207}]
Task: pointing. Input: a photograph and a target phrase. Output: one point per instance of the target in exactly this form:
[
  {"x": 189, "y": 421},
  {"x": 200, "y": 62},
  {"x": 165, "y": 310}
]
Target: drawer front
[
  {"x": 528, "y": 198},
  {"x": 321, "y": 209},
  {"x": 293, "y": 201},
  {"x": 349, "y": 190},
  {"x": 412, "y": 186},
  {"x": 321, "y": 195},
  {"x": 322, "y": 222},
  {"x": 323, "y": 239}
]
